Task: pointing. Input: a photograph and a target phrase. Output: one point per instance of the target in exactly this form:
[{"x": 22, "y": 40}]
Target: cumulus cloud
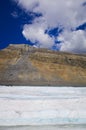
[
  {"x": 35, "y": 34},
  {"x": 73, "y": 41},
  {"x": 67, "y": 14}
]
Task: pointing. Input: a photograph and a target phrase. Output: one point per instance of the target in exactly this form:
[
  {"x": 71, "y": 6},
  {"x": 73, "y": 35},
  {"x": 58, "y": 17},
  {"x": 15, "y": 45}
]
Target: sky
[{"x": 53, "y": 24}]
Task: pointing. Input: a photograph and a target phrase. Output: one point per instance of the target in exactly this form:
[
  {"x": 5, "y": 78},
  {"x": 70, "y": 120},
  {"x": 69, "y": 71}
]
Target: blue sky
[
  {"x": 11, "y": 26},
  {"x": 53, "y": 24}
]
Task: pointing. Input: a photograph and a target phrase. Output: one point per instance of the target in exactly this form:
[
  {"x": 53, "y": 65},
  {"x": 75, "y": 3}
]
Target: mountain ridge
[{"x": 26, "y": 65}]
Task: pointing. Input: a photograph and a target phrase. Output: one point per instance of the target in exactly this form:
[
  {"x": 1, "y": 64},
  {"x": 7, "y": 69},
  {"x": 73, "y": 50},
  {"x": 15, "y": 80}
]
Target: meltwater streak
[{"x": 42, "y": 106}]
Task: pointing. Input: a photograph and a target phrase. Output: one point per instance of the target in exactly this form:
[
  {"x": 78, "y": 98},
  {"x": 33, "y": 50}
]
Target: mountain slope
[{"x": 25, "y": 65}]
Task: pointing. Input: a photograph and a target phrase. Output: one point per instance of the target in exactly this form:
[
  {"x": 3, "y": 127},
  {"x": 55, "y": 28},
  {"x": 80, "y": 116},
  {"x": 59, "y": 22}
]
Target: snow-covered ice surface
[
  {"x": 37, "y": 107},
  {"x": 48, "y": 127}
]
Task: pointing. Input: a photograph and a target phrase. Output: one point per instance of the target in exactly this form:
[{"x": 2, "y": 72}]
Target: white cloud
[
  {"x": 73, "y": 41},
  {"x": 62, "y": 13},
  {"x": 35, "y": 33}
]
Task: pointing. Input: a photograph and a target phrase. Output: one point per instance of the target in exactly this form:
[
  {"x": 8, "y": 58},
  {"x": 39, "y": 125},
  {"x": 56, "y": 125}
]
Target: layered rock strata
[{"x": 25, "y": 65}]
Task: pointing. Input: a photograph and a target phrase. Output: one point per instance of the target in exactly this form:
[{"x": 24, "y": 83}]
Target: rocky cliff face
[{"x": 25, "y": 65}]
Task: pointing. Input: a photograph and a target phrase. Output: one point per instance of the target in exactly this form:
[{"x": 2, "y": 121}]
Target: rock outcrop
[{"x": 25, "y": 65}]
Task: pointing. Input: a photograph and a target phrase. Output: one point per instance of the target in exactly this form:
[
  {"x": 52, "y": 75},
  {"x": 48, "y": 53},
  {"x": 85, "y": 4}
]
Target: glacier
[{"x": 35, "y": 106}]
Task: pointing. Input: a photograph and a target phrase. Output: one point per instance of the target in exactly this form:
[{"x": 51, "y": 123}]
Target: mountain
[{"x": 26, "y": 65}]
